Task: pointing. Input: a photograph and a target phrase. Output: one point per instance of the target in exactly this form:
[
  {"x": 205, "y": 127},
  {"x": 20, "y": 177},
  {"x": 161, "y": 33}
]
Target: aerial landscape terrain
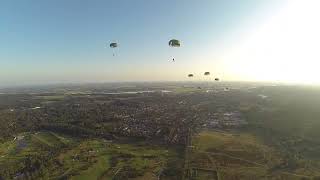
[
  {"x": 159, "y": 90},
  {"x": 163, "y": 130}
]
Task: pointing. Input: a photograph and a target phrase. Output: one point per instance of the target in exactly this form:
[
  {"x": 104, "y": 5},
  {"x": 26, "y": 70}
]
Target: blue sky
[{"x": 48, "y": 41}]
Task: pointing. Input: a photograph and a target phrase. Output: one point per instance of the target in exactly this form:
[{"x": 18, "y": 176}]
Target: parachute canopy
[
  {"x": 113, "y": 45},
  {"x": 216, "y": 79},
  {"x": 174, "y": 43},
  {"x": 190, "y": 75},
  {"x": 207, "y": 73}
]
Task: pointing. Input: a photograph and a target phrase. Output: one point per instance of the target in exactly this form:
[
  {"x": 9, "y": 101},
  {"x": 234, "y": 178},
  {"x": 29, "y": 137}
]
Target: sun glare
[{"x": 284, "y": 49}]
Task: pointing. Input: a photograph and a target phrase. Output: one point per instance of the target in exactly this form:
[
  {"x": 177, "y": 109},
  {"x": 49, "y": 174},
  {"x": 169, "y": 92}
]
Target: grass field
[
  {"x": 89, "y": 158},
  {"x": 101, "y": 160},
  {"x": 240, "y": 156},
  {"x": 6, "y": 148},
  {"x": 214, "y": 154}
]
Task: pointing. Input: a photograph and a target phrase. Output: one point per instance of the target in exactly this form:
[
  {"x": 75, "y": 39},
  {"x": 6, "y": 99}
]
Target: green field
[
  {"x": 241, "y": 156},
  {"x": 81, "y": 159}
]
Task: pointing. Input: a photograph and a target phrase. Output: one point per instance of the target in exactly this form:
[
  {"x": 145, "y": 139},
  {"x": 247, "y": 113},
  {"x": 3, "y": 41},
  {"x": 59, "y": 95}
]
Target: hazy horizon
[{"x": 177, "y": 82}]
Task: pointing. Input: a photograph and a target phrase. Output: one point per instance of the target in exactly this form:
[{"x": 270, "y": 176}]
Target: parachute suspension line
[
  {"x": 174, "y": 43},
  {"x": 113, "y": 46},
  {"x": 208, "y": 75},
  {"x": 191, "y": 79}
]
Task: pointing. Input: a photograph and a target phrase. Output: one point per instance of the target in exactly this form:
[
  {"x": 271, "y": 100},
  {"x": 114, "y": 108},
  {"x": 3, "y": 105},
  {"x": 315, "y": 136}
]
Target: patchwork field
[
  {"x": 89, "y": 158},
  {"x": 227, "y": 155}
]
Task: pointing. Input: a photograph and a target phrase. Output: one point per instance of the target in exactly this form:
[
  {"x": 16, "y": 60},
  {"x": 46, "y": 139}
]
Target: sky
[{"x": 46, "y": 41}]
